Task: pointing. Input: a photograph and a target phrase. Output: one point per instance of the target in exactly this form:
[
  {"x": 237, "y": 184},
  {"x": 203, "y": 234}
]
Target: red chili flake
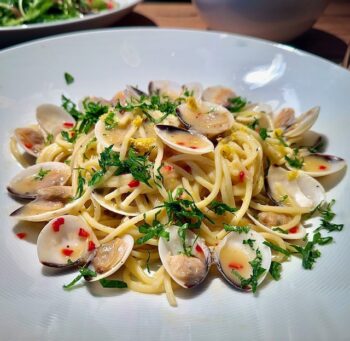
[
  {"x": 322, "y": 167},
  {"x": 241, "y": 176},
  {"x": 68, "y": 124},
  {"x": 168, "y": 168},
  {"x": 199, "y": 249},
  {"x": 91, "y": 246},
  {"x": 57, "y": 224},
  {"x": 110, "y": 5},
  {"x": 28, "y": 145},
  {"x": 134, "y": 183},
  {"x": 83, "y": 233},
  {"x": 234, "y": 265},
  {"x": 193, "y": 147},
  {"x": 67, "y": 252},
  {"x": 187, "y": 168},
  {"x": 180, "y": 143},
  {"x": 21, "y": 235},
  {"x": 293, "y": 229}
]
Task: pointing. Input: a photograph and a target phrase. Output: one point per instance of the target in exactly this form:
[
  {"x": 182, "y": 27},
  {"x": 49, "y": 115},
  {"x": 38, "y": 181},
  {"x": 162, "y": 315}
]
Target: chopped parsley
[
  {"x": 68, "y": 78},
  {"x": 257, "y": 272},
  {"x": 220, "y": 208},
  {"x": 236, "y": 104},
  {"x": 49, "y": 139},
  {"x": 282, "y": 141},
  {"x": 278, "y": 229},
  {"x": 263, "y": 133},
  {"x": 249, "y": 242},
  {"x": 275, "y": 270},
  {"x": 83, "y": 272},
  {"x": 71, "y": 108},
  {"x": 238, "y": 229},
  {"x": 157, "y": 229},
  {"x": 111, "y": 121},
  {"x": 317, "y": 148},
  {"x": 294, "y": 161},
  {"x": 277, "y": 248},
  {"x": 80, "y": 188},
  {"x": 112, "y": 283},
  {"x": 254, "y": 124},
  {"x": 41, "y": 174},
  {"x": 137, "y": 165},
  {"x": 308, "y": 253},
  {"x": 147, "y": 262}
]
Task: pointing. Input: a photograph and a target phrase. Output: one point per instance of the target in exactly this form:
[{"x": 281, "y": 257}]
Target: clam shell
[
  {"x": 27, "y": 183},
  {"x": 184, "y": 141},
  {"x": 218, "y": 95},
  {"x": 64, "y": 234},
  {"x": 53, "y": 119},
  {"x": 50, "y": 203},
  {"x": 124, "y": 248},
  {"x": 31, "y": 139},
  {"x": 303, "y": 189},
  {"x": 165, "y": 88},
  {"x": 303, "y": 123},
  {"x": 207, "y": 118},
  {"x": 317, "y": 165},
  {"x": 231, "y": 254},
  {"x": 194, "y": 89},
  {"x": 186, "y": 273},
  {"x": 290, "y": 236}
]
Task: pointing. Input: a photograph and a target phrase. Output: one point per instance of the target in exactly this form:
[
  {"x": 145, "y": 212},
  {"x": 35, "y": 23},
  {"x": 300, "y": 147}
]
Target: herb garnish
[
  {"x": 263, "y": 133},
  {"x": 317, "y": 147},
  {"x": 49, "y": 139},
  {"x": 275, "y": 270},
  {"x": 238, "y": 229},
  {"x": 157, "y": 229},
  {"x": 254, "y": 124},
  {"x": 112, "y": 283},
  {"x": 111, "y": 121},
  {"x": 68, "y": 78},
  {"x": 41, "y": 174},
  {"x": 249, "y": 242},
  {"x": 295, "y": 162},
  {"x": 278, "y": 229},
  {"x": 258, "y": 270},
  {"x": 277, "y": 248},
  {"x": 236, "y": 104},
  {"x": 137, "y": 165},
  {"x": 220, "y": 208},
  {"x": 83, "y": 272},
  {"x": 80, "y": 188}
]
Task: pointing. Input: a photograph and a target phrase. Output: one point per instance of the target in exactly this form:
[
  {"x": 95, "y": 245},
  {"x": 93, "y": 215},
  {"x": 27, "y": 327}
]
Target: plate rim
[
  {"x": 71, "y": 21},
  {"x": 119, "y": 30}
]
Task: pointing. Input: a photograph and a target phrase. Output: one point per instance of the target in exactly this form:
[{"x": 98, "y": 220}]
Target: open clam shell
[
  {"x": 235, "y": 252},
  {"x": 193, "y": 89},
  {"x": 170, "y": 89},
  {"x": 53, "y": 119},
  {"x": 302, "y": 123},
  {"x": 133, "y": 92},
  {"x": 218, "y": 95},
  {"x": 184, "y": 141},
  {"x": 301, "y": 188},
  {"x": 317, "y": 165},
  {"x": 207, "y": 118},
  {"x": 27, "y": 182},
  {"x": 31, "y": 139},
  {"x": 66, "y": 241},
  {"x": 110, "y": 257},
  {"x": 187, "y": 271},
  {"x": 284, "y": 119},
  {"x": 296, "y": 232},
  {"x": 51, "y": 202}
]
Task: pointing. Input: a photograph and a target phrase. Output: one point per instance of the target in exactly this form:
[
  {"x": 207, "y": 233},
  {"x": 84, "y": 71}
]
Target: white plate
[
  {"x": 15, "y": 34},
  {"x": 303, "y": 305}
]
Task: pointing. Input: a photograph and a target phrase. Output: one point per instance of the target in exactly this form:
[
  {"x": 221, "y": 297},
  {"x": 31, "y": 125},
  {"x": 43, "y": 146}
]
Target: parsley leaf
[
  {"x": 317, "y": 148},
  {"x": 83, "y": 272},
  {"x": 71, "y": 108},
  {"x": 112, "y": 283},
  {"x": 80, "y": 188},
  {"x": 220, "y": 208},
  {"x": 68, "y": 78},
  {"x": 275, "y": 270},
  {"x": 278, "y": 229},
  {"x": 49, "y": 139},
  {"x": 254, "y": 124},
  {"x": 295, "y": 162},
  {"x": 236, "y": 104},
  {"x": 238, "y": 229},
  {"x": 157, "y": 229},
  {"x": 41, "y": 174},
  {"x": 111, "y": 121},
  {"x": 277, "y": 248},
  {"x": 263, "y": 133},
  {"x": 330, "y": 227},
  {"x": 249, "y": 242}
]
